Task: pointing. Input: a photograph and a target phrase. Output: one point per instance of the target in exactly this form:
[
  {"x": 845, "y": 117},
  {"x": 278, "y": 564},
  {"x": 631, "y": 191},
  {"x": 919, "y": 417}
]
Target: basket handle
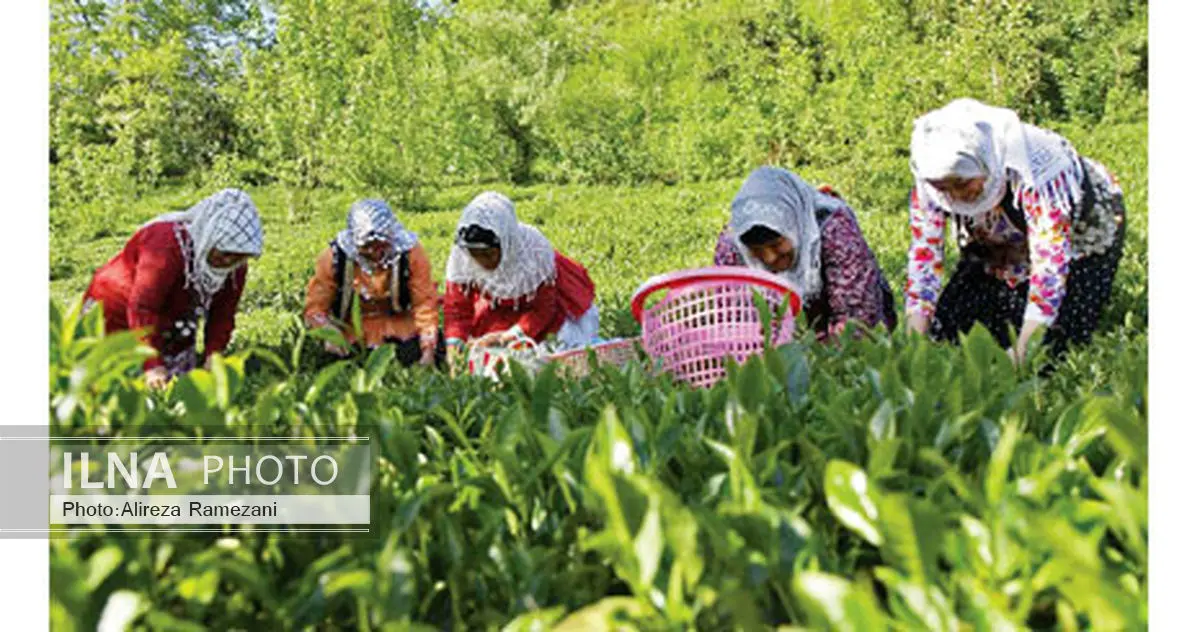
[{"x": 680, "y": 278}]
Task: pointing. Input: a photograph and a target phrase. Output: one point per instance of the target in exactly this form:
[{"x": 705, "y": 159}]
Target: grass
[
  {"x": 1004, "y": 495},
  {"x": 623, "y": 235}
]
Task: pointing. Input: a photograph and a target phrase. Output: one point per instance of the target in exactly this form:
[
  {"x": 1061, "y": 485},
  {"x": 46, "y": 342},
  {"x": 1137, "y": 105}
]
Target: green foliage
[
  {"x": 137, "y": 93},
  {"x": 900, "y": 484},
  {"x": 394, "y": 98},
  {"x": 877, "y": 483}
]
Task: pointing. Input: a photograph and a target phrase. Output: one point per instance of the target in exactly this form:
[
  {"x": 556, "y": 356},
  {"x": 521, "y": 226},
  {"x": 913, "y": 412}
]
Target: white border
[
  {"x": 25, "y": 47},
  {"x": 1173, "y": 231}
]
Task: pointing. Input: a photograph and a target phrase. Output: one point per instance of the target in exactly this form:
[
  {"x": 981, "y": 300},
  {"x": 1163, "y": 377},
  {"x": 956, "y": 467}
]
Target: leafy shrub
[
  {"x": 887, "y": 482},
  {"x": 400, "y": 97}
]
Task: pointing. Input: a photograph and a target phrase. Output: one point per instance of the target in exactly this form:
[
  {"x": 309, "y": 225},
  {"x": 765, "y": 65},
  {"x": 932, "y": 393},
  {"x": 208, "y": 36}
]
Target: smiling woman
[
  {"x": 1040, "y": 227},
  {"x": 810, "y": 237}
]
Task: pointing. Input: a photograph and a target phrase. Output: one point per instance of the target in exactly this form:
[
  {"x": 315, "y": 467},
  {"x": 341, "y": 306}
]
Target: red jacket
[
  {"x": 471, "y": 314},
  {"x": 143, "y": 287}
]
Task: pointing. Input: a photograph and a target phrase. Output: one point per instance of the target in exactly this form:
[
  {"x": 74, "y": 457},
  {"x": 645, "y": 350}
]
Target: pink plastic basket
[{"x": 708, "y": 314}]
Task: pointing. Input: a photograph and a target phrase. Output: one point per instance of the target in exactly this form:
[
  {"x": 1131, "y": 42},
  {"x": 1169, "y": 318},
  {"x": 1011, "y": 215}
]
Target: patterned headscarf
[
  {"x": 526, "y": 256},
  {"x": 227, "y": 221},
  {"x": 373, "y": 220},
  {"x": 969, "y": 139},
  {"x": 781, "y": 201}
]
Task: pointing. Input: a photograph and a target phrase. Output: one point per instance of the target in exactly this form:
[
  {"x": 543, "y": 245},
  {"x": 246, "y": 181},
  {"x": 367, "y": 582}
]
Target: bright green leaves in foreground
[
  {"x": 873, "y": 484},
  {"x": 1040, "y": 547}
]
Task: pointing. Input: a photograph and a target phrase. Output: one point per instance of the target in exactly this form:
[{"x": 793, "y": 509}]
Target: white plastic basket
[{"x": 492, "y": 361}]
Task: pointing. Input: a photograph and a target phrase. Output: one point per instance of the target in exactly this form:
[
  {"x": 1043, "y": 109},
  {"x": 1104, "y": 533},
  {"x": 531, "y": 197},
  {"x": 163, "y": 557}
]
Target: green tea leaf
[
  {"x": 536, "y": 621},
  {"x": 359, "y": 582},
  {"x": 1126, "y": 432},
  {"x": 377, "y": 364},
  {"x": 998, "y": 466},
  {"x": 648, "y": 545},
  {"x": 852, "y": 500},
  {"x": 122, "y": 609},
  {"x": 836, "y": 604},
  {"x": 604, "y": 615},
  {"x": 924, "y": 604},
  {"x": 160, "y": 620},
  {"x": 200, "y": 588},
  {"x": 911, "y": 536},
  {"x": 101, "y": 564}
]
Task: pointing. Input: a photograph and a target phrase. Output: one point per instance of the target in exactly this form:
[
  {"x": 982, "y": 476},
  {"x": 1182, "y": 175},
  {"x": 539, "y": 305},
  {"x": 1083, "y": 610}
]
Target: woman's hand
[
  {"x": 495, "y": 338},
  {"x": 488, "y": 339},
  {"x": 427, "y": 358},
  {"x": 428, "y": 344},
  {"x": 918, "y": 323},
  {"x": 157, "y": 378},
  {"x": 428, "y": 352},
  {"x": 336, "y": 350},
  {"x": 318, "y": 319},
  {"x": 1019, "y": 351}
]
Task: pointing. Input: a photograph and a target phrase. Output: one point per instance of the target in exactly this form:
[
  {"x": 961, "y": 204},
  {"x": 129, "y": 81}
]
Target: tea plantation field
[{"x": 875, "y": 483}]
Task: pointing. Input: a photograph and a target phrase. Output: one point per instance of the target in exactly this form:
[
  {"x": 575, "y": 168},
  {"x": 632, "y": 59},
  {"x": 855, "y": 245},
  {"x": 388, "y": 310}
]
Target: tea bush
[
  {"x": 878, "y": 483},
  {"x": 740, "y": 506},
  {"x": 886, "y": 482}
]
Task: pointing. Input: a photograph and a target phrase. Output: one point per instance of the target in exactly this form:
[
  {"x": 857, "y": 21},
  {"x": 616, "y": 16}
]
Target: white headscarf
[
  {"x": 373, "y": 220},
  {"x": 781, "y": 201},
  {"x": 227, "y": 221},
  {"x": 969, "y": 139},
  {"x": 526, "y": 256}
]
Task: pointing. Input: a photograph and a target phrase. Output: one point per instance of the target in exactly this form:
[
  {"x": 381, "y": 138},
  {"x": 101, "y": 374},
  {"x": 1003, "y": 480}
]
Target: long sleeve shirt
[
  {"x": 852, "y": 284},
  {"x": 143, "y": 288},
  {"x": 379, "y": 322},
  {"x": 471, "y": 314},
  {"x": 1040, "y": 254}
]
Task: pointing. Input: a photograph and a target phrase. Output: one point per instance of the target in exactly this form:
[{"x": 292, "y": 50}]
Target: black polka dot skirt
[{"x": 974, "y": 296}]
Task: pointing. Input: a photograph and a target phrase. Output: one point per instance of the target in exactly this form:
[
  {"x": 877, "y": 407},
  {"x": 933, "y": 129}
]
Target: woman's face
[
  {"x": 778, "y": 255},
  {"x": 964, "y": 190},
  {"x": 488, "y": 258},
  {"x": 221, "y": 260},
  {"x": 374, "y": 251}
]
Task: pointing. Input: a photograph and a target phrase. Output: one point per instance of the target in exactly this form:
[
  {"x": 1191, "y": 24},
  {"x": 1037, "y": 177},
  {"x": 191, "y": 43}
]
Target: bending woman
[
  {"x": 1039, "y": 228},
  {"x": 503, "y": 278},
  {"x": 383, "y": 264},
  {"x": 811, "y": 238},
  {"x": 175, "y": 270}
]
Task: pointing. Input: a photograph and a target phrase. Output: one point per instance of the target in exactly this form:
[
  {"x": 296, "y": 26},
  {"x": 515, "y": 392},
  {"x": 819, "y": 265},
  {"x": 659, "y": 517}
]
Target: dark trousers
[
  {"x": 974, "y": 296},
  {"x": 408, "y": 352}
]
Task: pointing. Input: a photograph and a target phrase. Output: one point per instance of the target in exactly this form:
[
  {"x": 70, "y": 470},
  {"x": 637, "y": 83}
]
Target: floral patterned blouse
[
  {"x": 1040, "y": 254},
  {"x": 853, "y": 286}
]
